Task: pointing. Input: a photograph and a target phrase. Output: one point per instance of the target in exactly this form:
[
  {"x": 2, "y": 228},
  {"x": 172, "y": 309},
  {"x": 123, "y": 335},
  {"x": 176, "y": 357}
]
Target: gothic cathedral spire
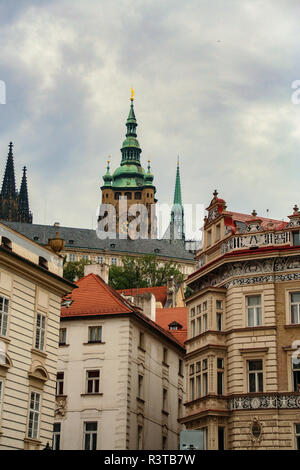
[{"x": 14, "y": 206}]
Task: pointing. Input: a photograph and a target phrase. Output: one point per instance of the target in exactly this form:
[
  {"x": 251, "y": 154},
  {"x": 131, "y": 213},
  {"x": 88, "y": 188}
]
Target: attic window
[
  {"x": 43, "y": 262},
  {"x": 71, "y": 242},
  {"x": 175, "y": 326},
  {"x": 156, "y": 250},
  {"x": 112, "y": 245},
  {"x": 6, "y": 243},
  {"x": 67, "y": 303},
  {"x": 35, "y": 238}
]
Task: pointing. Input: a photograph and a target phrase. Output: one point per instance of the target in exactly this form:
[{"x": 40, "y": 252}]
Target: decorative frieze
[
  {"x": 277, "y": 401},
  {"x": 257, "y": 239},
  {"x": 239, "y": 273}
]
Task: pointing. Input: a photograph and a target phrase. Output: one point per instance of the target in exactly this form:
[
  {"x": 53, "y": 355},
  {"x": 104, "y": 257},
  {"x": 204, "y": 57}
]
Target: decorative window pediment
[
  {"x": 38, "y": 372},
  {"x": 5, "y": 360}
]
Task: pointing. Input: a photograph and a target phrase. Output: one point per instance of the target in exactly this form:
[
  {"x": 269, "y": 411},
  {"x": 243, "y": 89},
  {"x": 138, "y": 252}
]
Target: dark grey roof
[{"x": 82, "y": 238}]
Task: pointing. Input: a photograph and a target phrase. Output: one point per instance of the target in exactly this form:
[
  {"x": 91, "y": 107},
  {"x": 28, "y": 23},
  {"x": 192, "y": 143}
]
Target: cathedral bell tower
[{"x": 130, "y": 181}]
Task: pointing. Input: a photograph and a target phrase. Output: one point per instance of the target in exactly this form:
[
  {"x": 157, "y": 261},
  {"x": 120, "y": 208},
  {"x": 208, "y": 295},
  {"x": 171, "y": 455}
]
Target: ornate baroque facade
[{"x": 243, "y": 362}]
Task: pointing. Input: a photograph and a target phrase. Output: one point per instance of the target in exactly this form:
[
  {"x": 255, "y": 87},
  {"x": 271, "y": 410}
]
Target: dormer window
[
  {"x": 71, "y": 242},
  {"x": 175, "y": 326},
  {"x": 6, "y": 243},
  {"x": 43, "y": 262}
]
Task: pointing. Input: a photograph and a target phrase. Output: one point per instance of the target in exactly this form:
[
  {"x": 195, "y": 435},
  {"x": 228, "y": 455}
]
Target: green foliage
[
  {"x": 188, "y": 292},
  {"x": 145, "y": 271},
  {"x": 74, "y": 270}
]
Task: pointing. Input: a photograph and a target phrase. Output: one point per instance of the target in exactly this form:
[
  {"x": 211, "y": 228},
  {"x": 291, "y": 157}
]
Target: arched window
[
  {"x": 128, "y": 195},
  {"x": 117, "y": 196}
]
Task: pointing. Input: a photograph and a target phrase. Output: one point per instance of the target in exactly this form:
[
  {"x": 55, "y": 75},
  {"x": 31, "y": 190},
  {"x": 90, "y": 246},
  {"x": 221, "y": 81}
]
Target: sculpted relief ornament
[
  {"x": 239, "y": 273},
  {"x": 61, "y": 406}
]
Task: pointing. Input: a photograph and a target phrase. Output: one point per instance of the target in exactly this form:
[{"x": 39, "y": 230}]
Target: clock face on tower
[{"x": 123, "y": 228}]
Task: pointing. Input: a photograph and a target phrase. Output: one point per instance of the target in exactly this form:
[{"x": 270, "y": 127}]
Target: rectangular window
[
  {"x": 1, "y": 393},
  {"x": 165, "y": 399},
  {"x": 208, "y": 237},
  {"x": 62, "y": 336},
  {"x": 4, "y": 304},
  {"x": 40, "y": 331},
  {"x": 90, "y": 436},
  {"x": 59, "y": 383},
  {"x": 296, "y": 238},
  {"x": 56, "y": 436},
  {"x": 198, "y": 309},
  {"x": 192, "y": 312},
  {"x": 204, "y": 323},
  {"x": 296, "y": 374},
  {"x": 140, "y": 438},
  {"x": 220, "y": 383},
  {"x": 100, "y": 259},
  {"x": 199, "y": 325},
  {"x": 192, "y": 389},
  {"x": 179, "y": 407},
  {"x": 253, "y": 303},
  {"x": 95, "y": 334},
  {"x": 204, "y": 364},
  {"x": 192, "y": 328},
  {"x": 34, "y": 415},
  {"x": 85, "y": 257},
  {"x": 255, "y": 376},
  {"x": 205, "y": 384},
  {"x": 114, "y": 261},
  {"x": 92, "y": 381},
  {"x": 295, "y": 307},
  {"x": 221, "y": 438},
  {"x": 204, "y": 306},
  {"x": 218, "y": 232},
  {"x": 198, "y": 385},
  {"x": 140, "y": 386},
  {"x": 180, "y": 367},
  {"x": 297, "y": 434},
  {"x": 142, "y": 340},
  {"x": 219, "y": 305},
  {"x": 164, "y": 443},
  {"x": 219, "y": 322},
  {"x": 165, "y": 356},
  {"x": 71, "y": 257},
  {"x": 198, "y": 366}
]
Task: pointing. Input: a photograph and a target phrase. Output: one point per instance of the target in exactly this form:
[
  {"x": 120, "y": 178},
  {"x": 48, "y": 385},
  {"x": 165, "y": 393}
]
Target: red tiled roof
[
  {"x": 160, "y": 292},
  {"x": 165, "y": 316},
  {"x": 95, "y": 297},
  {"x": 238, "y": 217}
]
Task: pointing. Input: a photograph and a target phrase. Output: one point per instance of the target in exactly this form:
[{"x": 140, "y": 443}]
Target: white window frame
[
  {"x": 40, "y": 331},
  {"x": 91, "y": 433},
  {"x": 59, "y": 381},
  {"x": 62, "y": 336},
  {"x": 298, "y": 309},
  {"x": 96, "y": 334},
  {"x": 94, "y": 380},
  {"x": 4, "y": 312},
  {"x": 34, "y": 415},
  {"x": 54, "y": 438},
  {"x": 257, "y": 314},
  {"x": 256, "y": 374}
]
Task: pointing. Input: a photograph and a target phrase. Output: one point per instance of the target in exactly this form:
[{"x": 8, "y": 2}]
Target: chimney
[
  {"x": 147, "y": 303},
  {"x": 101, "y": 270}
]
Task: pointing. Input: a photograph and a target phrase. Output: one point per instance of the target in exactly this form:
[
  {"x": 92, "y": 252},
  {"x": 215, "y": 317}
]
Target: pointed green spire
[
  {"x": 131, "y": 148},
  {"x": 177, "y": 213},
  {"x": 177, "y": 192}
]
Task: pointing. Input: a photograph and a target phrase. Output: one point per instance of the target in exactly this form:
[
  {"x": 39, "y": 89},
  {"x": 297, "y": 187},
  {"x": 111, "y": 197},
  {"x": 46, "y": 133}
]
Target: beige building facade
[
  {"x": 31, "y": 288},
  {"x": 120, "y": 383},
  {"x": 243, "y": 361}
]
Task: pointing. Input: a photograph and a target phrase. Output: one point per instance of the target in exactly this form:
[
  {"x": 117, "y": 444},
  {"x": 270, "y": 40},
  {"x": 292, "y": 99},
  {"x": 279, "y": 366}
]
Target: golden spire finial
[{"x": 132, "y": 94}]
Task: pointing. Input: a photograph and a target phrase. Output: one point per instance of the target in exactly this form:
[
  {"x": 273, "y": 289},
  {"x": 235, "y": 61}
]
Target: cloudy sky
[{"x": 212, "y": 81}]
